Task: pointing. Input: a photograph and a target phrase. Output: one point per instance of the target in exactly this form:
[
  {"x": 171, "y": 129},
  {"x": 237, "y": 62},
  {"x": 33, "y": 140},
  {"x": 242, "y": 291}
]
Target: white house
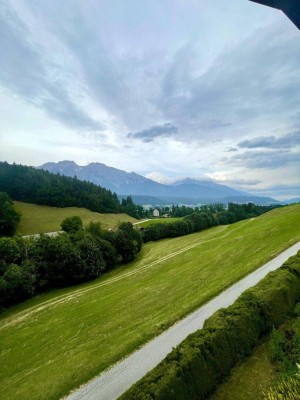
[{"x": 155, "y": 213}]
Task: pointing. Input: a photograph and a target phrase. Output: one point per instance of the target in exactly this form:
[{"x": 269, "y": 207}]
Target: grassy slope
[
  {"x": 157, "y": 221},
  {"x": 59, "y": 340},
  {"x": 41, "y": 219}
]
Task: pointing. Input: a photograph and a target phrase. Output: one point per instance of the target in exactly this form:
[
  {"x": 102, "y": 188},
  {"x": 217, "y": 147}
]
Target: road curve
[{"x": 115, "y": 381}]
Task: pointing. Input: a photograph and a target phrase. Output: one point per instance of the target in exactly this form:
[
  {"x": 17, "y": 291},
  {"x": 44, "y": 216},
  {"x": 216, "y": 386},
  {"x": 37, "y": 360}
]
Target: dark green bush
[
  {"x": 72, "y": 225},
  {"x": 9, "y": 217}
]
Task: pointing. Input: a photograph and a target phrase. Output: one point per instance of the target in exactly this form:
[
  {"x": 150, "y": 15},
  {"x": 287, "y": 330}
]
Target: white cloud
[{"x": 159, "y": 177}]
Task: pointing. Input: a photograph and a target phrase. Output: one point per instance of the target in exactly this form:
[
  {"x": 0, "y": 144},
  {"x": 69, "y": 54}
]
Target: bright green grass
[
  {"x": 41, "y": 219},
  {"x": 157, "y": 221},
  {"x": 59, "y": 340}
]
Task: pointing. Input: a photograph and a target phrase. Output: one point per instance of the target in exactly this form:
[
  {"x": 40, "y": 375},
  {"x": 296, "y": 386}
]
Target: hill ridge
[{"x": 131, "y": 183}]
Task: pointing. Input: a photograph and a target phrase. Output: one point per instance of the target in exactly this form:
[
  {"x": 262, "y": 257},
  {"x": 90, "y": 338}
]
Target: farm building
[{"x": 155, "y": 213}]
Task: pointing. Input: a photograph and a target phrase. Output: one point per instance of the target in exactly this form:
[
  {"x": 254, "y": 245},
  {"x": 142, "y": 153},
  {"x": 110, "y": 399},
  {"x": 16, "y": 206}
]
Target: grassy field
[
  {"x": 157, "y": 221},
  {"x": 54, "y": 342},
  {"x": 41, "y": 219}
]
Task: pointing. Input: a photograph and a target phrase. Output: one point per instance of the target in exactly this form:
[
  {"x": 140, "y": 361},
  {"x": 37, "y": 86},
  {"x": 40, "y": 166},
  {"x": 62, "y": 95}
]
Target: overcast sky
[{"x": 164, "y": 88}]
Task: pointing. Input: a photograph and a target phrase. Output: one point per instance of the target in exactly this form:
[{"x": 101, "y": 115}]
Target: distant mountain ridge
[
  {"x": 291, "y": 201},
  {"x": 125, "y": 183}
]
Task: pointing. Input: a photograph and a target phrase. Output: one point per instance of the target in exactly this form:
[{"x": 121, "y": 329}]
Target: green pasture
[
  {"x": 59, "y": 340},
  {"x": 41, "y": 219},
  {"x": 156, "y": 221}
]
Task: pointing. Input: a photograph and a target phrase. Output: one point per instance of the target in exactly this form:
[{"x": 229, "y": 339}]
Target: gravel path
[
  {"x": 37, "y": 235},
  {"x": 115, "y": 381}
]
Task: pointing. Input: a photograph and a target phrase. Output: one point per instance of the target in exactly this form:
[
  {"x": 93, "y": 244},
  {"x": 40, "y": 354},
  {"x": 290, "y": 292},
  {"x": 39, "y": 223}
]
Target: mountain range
[{"x": 147, "y": 191}]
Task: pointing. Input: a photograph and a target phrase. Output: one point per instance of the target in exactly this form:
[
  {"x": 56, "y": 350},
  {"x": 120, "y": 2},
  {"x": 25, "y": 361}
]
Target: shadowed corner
[{"x": 291, "y": 8}]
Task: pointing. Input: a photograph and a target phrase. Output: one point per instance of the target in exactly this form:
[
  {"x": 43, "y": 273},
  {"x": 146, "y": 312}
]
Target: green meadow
[
  {"x": 157, "y": 221},
  {"x": 42, "y": 219},
  {"x": 54, "y": 342}
]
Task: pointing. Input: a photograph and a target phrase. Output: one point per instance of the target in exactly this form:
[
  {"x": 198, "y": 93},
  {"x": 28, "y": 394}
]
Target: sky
[{"x": 208, "y": 89}]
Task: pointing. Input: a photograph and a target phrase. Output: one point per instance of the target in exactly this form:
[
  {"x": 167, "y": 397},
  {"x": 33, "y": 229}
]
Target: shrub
[
  {"x": 16, "y": 284},
  {"x": 72, "y": 225},
  {"x": 12, "y": 250},
  {"x": 91, "y": 260}
]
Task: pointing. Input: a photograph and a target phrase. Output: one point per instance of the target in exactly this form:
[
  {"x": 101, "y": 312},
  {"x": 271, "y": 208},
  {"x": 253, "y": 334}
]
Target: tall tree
[{"x": 9, "y": 217}]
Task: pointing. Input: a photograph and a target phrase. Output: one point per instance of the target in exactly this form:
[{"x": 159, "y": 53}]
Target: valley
[{"x": 130, "y": 305}]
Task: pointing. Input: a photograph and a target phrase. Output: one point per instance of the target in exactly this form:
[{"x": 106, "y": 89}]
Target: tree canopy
[{"x": 9, "y": 217}]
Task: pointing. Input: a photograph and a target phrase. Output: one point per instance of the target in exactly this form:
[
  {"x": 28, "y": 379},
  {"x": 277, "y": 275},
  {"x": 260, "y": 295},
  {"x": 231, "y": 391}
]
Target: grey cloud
[
  {"x": 242, "y": 182},
  {"x": 100, "y": 70},
  {"x": 280, "y": 190},
  {"x": 263, "y": 159},
  {"x": 22, "y": 70},
  {"x": 106, "y": 75},
  {"x": 255, "y": 79},
  {"x": 138, "y": 87},
  {"x": 284, "y": 187},
  {"x": 58, "y": 104},
  {"x": 148, "y": 135},
  {"x": 212, "y": 124},
  {"x": 287, "y": 141},
  {"x": 296, "y": 116},
  {"x": 231, "y": 149}
]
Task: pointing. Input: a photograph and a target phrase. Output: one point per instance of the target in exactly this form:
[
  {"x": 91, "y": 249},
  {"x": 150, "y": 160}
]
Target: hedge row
[
  {"x": 195, "y": 222},
  {"x": 202, "y": 361}
]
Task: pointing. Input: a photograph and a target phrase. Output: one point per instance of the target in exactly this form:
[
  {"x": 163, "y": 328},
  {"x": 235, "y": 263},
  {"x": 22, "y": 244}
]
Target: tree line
[
  {"x": 30, "y": 266},
  {"x": 37, "y": 186},
  {"x": 203, "y": 218},
  {"x": 177, "y": 211}
]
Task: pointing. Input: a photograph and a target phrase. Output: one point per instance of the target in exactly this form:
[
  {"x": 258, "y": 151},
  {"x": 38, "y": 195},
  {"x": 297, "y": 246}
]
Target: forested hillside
[{"x": 33, "y": 185}]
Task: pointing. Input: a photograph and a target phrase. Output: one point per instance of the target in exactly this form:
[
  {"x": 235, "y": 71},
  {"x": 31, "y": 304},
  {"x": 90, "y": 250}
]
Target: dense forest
[
  {"x": 42, "y": 187},
  {"x": 30, "y": 266}
]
